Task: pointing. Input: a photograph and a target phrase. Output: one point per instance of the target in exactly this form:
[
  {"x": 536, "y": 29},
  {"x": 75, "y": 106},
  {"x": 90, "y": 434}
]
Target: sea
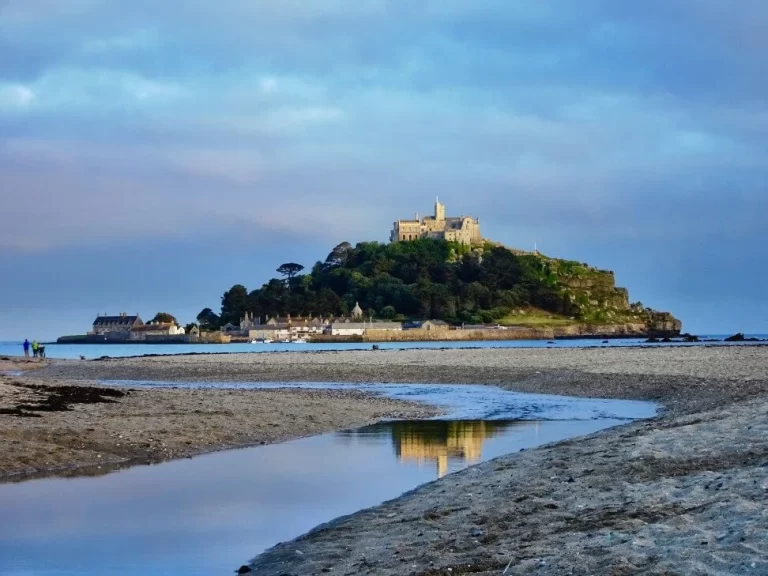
[{"x": 90, "y": 351}]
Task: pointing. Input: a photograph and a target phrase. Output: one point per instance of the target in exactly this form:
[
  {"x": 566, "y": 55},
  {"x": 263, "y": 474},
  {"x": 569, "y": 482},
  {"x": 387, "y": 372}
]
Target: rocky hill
[
  {"x": 435, "y": 279},
  {"x": 596, "y": 300}
]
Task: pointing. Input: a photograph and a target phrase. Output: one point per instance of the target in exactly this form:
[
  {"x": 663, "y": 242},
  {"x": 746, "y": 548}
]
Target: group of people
[{"x": 38, "y": 350}]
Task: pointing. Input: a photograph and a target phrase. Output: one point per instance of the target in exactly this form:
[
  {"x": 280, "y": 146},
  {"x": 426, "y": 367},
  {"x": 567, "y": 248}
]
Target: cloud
[
  {"x": 15, "y": 97},
  {"x": 90, "y": 90},
  {"x": 583, "y": 124}
]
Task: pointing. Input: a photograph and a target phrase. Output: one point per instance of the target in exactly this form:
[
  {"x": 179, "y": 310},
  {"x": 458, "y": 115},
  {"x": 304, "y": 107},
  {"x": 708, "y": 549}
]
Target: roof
[
  {"x": 436, "y": 322},
  {"x": 296, "y": 320},
  {"x": 113, "y": 320}
]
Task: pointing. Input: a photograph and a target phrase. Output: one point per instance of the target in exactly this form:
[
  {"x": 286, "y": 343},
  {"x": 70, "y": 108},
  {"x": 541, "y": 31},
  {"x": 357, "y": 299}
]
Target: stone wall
[
  {"x": 212, "y": 338},
  {"x": 421, "y": 335},
  {"x": 628, "y": 330},
  {"x": 328, "y": 339}
]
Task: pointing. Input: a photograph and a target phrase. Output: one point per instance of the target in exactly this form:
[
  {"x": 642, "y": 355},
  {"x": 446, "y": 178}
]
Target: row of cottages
[
  {"x": 290, "y": 328},
  {"x": 282, "y": 328}
]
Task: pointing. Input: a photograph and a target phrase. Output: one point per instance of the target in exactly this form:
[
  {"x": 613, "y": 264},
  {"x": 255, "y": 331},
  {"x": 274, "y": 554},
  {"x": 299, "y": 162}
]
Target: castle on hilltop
[{"x": 461, "y": 229}]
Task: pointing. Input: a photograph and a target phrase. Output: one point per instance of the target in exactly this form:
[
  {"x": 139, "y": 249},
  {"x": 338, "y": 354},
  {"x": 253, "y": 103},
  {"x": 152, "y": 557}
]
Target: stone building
[
  {"x": 461, "y": 229},
  {"x": 120, "y": 324}
]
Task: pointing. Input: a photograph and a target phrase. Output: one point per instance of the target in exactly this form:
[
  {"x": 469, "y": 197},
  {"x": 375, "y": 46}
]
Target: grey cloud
[{"x": 640, "y": 126}]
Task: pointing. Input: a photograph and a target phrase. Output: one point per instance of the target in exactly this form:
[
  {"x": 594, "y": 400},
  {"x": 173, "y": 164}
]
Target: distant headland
[{"x": 437, "y": 279}]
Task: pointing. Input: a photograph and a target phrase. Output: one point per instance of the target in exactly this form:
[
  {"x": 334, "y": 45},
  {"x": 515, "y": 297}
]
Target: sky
[{"x": 154, "y": 154}]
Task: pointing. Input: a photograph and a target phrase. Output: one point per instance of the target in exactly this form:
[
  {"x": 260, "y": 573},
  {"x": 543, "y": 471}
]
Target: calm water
[
  {"x": 210, "y": 514},
  {"x": 114, "y": 350}
]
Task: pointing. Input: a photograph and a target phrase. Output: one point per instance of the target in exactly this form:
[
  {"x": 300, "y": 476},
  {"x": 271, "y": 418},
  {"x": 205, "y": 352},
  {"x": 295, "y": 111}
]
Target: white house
[
  {"x": 270, "y": 332},
  {"x": 346, "y": 329},
  {"x": 155, "y": 329}
]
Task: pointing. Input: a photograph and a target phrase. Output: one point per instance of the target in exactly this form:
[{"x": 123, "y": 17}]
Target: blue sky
[{"x": 153, "y": 155}]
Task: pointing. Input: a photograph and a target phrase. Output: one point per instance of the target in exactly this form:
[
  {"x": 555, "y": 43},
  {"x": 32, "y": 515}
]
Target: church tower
[{"x": 439, "y": 211}]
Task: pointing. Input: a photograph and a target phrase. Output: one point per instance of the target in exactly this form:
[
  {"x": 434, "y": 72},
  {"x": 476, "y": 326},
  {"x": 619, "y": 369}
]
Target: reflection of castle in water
[{"x": 442, "y": 441}]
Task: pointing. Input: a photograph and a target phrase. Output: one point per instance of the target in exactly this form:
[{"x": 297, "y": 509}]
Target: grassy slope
[{"x": 536, "y": 317}]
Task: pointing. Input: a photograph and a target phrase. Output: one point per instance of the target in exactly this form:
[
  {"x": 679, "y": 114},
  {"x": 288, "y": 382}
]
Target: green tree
[
  {"x": 234, "y": 304},
  {"x": 208, "y": 320},
  {"x": 290, "y": 269},
  {"x": 388, "y": 312},
  {"x": 189, "y": 327},
  {"x": 164, "y": 318}
]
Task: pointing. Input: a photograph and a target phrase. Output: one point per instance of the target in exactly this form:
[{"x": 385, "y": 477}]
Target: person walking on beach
[
  {"x": 26, "y": 348},
  {"x": 35, "y": 347}
]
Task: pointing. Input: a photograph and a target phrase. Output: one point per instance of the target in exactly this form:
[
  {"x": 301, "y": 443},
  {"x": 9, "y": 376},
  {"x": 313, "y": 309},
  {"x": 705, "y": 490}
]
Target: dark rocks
[
  {"x": 741, "y": 338},
  {"x": 690, "y": 338},
  {"x": 652, "y": 340},
  {"x": 475, "y": 532},
  {"x": 243, "y": 570},
  {"x": 60, "y": 398}
]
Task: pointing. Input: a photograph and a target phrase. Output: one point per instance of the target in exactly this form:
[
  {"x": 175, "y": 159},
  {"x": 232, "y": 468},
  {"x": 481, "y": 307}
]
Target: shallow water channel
[{"x": 210, "y": 514}]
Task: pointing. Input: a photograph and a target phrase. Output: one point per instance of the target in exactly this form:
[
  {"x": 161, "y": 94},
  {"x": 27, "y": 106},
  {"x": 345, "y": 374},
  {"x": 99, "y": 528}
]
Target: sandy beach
[
  {"x": 683, "y": 493},
  {"x": 105, "y": 428}
]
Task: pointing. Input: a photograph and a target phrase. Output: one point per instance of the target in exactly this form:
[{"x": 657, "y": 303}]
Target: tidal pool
[{"x": 210, "y": 514}]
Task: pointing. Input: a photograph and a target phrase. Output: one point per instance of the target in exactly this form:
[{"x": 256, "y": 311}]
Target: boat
[
  {"x": 261, "y": 341},
  {"x": 300, "y": 341}
]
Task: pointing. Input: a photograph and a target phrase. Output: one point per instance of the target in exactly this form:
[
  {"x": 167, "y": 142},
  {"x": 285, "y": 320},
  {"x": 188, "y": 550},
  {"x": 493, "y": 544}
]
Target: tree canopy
[
  {"x": 290, "y": 269},
  {"x": 234, "y": 304},
  {"x": 164, "y": 318},
  {"x": 208, "y": 319},
  {"x": 420, "y": 279}
]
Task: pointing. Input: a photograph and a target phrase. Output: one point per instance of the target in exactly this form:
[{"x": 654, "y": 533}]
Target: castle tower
[{"x": 439, "y": 211}]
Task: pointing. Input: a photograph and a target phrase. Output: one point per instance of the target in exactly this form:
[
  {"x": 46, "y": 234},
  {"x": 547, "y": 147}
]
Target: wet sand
[{"x": 68, "y": 427}]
